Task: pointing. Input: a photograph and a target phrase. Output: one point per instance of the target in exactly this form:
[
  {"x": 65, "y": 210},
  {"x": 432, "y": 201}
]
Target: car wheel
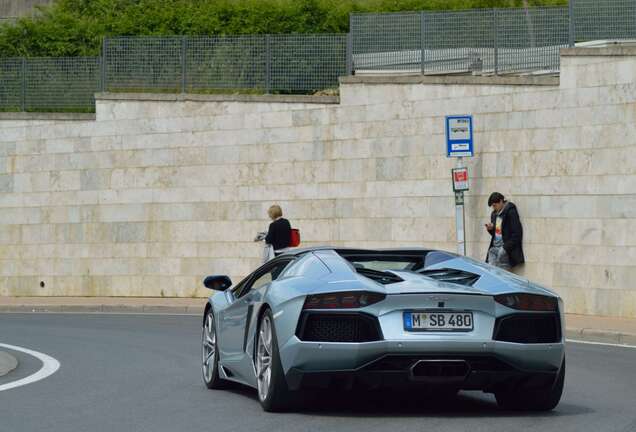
[
  {"x": 209, "y": 355},
  {"x": 534, "y": 400},
  {"x": 273, "y": 393}
]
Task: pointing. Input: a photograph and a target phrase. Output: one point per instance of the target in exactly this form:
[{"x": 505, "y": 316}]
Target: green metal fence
[
  {"x": 48, "y": 84},
  {"x": 259, "y": 63},
  {"x": 490, "y": 41}
]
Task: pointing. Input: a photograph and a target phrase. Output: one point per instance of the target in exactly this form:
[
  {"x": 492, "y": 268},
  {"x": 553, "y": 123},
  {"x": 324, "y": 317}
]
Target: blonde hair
[{"x": 275, "y": 211}]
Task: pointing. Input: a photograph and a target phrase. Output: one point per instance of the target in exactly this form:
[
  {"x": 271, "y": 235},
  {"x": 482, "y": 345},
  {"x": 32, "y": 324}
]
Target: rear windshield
[{"x": 394, "y": 261}]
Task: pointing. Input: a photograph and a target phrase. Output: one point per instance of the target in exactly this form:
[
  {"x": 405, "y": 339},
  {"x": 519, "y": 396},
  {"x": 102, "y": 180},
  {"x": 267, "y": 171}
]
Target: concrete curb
[
  {"x": 601, "y": 336},
  {"x": 123, "y": 309},
  {"x": 7, "y": 363},
  {"x": 581, "y": 334}
]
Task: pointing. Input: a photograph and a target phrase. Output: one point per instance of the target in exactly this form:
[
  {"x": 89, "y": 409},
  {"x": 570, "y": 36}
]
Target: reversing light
[
  {"x": 529, "y": 302},
  {"x": 342, "y": 300}
]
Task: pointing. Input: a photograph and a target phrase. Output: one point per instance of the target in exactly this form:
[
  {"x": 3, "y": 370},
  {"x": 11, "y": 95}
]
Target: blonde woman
[{"x": 279, "y": 232}]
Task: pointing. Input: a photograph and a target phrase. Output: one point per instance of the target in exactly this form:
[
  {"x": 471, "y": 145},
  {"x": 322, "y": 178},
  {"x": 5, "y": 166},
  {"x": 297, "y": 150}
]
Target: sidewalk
[
  {"x": 587, "y": 328},
  {"x": 7, "y": 363}
]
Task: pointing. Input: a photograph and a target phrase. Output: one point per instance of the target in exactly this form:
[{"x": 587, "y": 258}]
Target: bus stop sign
[{"x": 459, "y": 136}]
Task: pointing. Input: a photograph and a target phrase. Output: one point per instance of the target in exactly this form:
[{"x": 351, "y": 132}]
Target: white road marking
[
  {"x": 49, "y": 367},
  {"x": 599, "y": 343}
]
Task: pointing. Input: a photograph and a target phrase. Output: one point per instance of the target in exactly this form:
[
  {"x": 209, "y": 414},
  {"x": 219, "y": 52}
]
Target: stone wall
[{"x": 159, "y": 191}]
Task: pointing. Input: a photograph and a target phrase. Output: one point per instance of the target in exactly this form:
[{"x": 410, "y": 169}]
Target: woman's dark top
[{"x": 279, "y": 234}]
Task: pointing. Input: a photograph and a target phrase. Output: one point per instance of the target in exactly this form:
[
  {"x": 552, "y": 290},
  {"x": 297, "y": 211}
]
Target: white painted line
[
  {"x": 49, "y": 367},
  {"x": 599, "y": 343}
]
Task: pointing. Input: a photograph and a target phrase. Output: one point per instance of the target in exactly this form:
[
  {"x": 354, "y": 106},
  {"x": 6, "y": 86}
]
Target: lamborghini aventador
[{"x": 347, "y": 318}]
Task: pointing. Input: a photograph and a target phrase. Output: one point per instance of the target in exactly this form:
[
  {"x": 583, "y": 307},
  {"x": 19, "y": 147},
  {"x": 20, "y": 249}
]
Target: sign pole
[
  {"x": 460, "y": 216},
  {"x": 459, "y": 144}
]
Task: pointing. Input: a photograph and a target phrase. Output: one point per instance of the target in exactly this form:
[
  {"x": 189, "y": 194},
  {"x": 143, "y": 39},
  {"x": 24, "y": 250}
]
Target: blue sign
[{"x": 459, "y": 136}]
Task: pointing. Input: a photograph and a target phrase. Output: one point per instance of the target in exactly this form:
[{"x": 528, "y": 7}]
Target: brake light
[
  {"x": 342, "y": 300},
  {"x": 529, "y": 302}
]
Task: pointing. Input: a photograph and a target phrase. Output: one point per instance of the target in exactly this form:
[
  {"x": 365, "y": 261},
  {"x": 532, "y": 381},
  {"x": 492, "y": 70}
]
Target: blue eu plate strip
[{"x": 407, "y": 320}]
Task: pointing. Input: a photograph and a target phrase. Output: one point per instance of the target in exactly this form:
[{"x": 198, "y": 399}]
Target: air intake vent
[
  {"x": 338, "y": 327},
  {"x": 452, "y": 276},
  {"x": 529, "y": 329},
  {"x": 383, "y": 277}
]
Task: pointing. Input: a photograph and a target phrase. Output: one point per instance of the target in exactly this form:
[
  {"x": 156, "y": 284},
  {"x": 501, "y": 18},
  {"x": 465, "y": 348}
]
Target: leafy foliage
[{"x": 76, "y": 27}]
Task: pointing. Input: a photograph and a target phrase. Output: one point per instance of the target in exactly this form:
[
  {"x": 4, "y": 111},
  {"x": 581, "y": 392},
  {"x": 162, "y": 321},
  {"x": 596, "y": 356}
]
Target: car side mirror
[{"x": 217, "y": 282}]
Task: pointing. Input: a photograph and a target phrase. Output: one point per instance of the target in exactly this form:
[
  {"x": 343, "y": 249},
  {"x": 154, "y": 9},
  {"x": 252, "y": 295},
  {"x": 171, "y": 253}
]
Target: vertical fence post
[
  {"x": 184, "y": 66},
  {"x": 495, "y": 27},
  {"x": 422, "y": 28},
  {"x": 349, "y": 53},
  {"x": 268, "y": 64},
  {"x": 571, "y": 27},
  {"x": 23, "y": 86},
  {"x": 102, "y": 69}
]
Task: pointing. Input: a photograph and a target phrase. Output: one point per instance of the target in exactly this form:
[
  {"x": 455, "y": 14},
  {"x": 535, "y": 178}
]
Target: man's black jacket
[{"x": 512, "y": 233}]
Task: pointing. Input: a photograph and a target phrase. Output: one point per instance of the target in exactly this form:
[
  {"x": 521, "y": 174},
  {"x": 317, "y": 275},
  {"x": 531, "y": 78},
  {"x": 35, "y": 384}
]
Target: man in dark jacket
[{"x": 506, "y": 233}]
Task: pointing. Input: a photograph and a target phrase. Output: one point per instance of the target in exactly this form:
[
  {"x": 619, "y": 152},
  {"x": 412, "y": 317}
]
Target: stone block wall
[{"x": 159, "y": 191}]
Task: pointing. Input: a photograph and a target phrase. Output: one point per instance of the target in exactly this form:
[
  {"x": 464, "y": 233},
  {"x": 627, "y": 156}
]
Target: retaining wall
[{"x": 160, "y": 190}]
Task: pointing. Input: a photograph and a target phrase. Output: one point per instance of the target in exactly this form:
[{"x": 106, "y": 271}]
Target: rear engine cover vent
[{"x": 452, "y": 276}]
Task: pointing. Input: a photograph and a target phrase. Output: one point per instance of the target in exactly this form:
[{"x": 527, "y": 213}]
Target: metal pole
[
  {"x": 571, "y": 27},
  {"x": 349, "y": 53},
  {"x": 460, "y": 216},
  {"x": 23, "y": 85},
  {"x": 184, "y": 50},
  {"x": 422, "y": 28},
  {"x": 268, "y": 64},
  {"x": 104, "y": 86},
  {"x": 495, "y": 27}
]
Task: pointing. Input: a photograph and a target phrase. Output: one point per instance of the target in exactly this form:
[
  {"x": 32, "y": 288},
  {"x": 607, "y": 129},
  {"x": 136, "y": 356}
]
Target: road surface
[{"x": 142, "y": 373}]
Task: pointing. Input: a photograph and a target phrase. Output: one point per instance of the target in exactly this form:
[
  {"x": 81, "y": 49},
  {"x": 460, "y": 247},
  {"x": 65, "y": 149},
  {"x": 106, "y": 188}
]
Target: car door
[{"x": 236, "y": 319}]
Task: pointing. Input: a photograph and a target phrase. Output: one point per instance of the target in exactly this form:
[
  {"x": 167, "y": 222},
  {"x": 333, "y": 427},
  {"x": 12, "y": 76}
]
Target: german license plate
[{"x": 438, "y": 321}]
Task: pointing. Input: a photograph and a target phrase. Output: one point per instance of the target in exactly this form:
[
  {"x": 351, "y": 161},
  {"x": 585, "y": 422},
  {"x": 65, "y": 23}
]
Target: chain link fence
[
  {"x": 49, "y": 84},
  {"x": 485, "y": 41},
  {"x": 260, "y": 63},
  {"x": 604, "y": 19}
]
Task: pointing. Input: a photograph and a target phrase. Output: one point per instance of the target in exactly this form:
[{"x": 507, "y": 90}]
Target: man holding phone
[{"x": 505, "y": 250}]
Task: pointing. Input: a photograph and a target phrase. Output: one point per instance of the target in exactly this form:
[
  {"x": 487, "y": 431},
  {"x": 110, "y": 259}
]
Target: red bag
[{"x": 295, "y": 238}]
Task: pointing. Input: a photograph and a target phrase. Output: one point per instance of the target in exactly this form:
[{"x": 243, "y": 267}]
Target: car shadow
[
  {"x": 393, "y": 403},
  {"x": 412, "y": 404}
]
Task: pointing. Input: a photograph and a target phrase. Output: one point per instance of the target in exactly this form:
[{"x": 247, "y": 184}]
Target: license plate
[{"x": 438, "y": 321}]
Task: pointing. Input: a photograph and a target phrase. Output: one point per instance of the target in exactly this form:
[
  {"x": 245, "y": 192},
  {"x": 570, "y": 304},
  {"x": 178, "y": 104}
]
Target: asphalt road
[{"x": 141, "y": 373}]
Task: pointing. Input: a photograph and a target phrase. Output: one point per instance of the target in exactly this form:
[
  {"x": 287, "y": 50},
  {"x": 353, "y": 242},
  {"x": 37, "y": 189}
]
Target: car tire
[
  {"x": 210, "y": 354},
  {"x": 273, "y": 392},
  {"x": 534, "y": 400}
]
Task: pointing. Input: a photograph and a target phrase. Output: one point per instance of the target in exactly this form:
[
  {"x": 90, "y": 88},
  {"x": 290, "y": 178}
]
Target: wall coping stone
[
  {"x": 182, "y": 97},
  {"x": 46, "y": 116},
  {"x": 452, "y": 79},
  {"x": 618, "y": 50}
]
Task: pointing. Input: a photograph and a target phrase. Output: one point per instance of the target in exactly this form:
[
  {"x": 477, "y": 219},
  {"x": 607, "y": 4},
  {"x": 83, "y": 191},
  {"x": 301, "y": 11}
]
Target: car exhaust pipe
[{"x": 439, "y": 371}]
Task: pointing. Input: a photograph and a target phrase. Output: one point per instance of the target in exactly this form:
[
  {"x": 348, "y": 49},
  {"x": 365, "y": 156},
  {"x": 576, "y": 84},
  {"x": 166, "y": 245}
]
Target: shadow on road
[
  {"x": 409, "y": 404},
  {"x": 391, "y": 403}
]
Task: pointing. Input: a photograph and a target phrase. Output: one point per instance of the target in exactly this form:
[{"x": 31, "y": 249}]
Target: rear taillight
[
  {"x": 528, "y": 302},
  {"x": 342, "y": 300}
]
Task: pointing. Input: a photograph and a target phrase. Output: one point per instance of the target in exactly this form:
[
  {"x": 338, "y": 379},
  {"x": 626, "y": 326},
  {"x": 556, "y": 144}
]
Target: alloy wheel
[
  {"x": 264, "y": 358},
  {"x": 208, "y": 348}
]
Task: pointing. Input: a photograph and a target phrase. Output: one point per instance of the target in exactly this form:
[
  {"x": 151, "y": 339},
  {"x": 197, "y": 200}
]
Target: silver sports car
[{"x": 343, "y": 318}]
